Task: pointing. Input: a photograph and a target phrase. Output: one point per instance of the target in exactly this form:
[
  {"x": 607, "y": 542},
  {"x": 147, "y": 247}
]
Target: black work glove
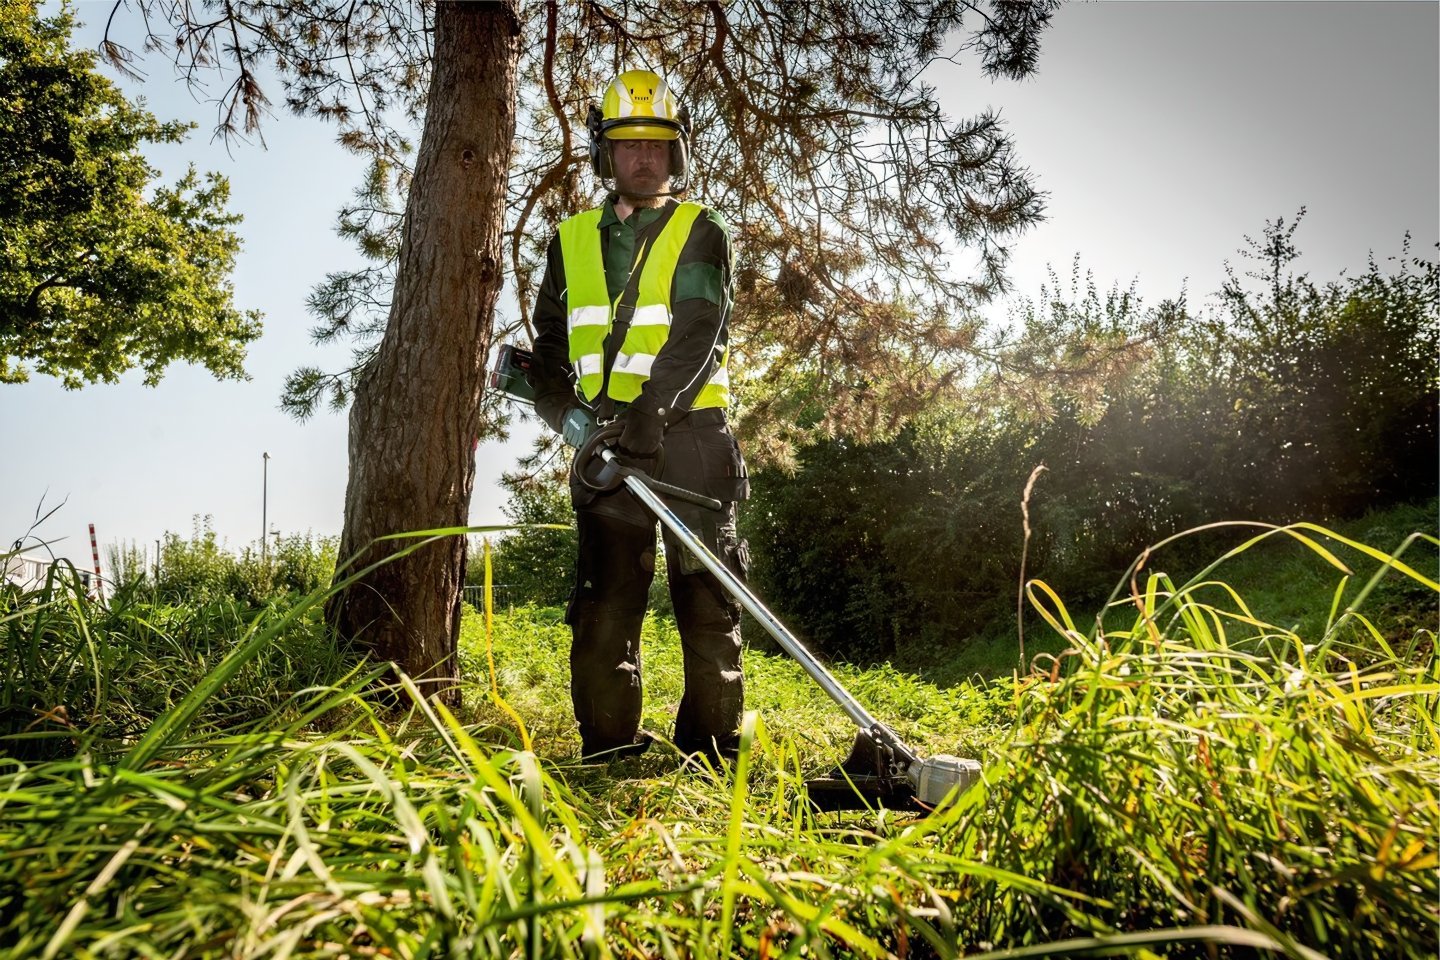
[
  {"x": 577, "y": 425},
  {"x": 642, "y": 434}
]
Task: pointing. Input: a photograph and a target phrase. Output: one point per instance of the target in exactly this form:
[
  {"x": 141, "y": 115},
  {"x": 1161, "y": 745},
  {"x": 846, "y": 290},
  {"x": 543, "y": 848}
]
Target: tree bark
[{"x": 414, "y": 420}]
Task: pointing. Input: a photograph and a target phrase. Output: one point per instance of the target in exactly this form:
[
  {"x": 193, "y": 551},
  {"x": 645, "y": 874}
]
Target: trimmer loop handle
[{"x": 599, "y": 467}]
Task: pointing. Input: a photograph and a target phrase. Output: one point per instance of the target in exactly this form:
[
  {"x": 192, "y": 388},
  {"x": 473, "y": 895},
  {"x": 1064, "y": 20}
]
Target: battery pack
[{"x": 511, "y": 373}]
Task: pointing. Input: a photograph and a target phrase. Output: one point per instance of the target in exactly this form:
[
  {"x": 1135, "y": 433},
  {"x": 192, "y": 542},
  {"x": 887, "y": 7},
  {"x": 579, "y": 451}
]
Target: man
[{"x": 632, "y": 320}]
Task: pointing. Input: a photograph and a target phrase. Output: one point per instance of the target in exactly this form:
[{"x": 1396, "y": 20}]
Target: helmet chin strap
[{"x": 658, "y": 195}]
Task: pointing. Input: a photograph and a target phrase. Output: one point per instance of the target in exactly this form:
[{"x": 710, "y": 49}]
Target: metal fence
[{"x": 502, "y": 596}]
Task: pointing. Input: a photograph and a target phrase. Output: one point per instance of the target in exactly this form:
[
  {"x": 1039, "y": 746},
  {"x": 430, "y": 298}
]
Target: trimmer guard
[{"x": 863, "y": 781}]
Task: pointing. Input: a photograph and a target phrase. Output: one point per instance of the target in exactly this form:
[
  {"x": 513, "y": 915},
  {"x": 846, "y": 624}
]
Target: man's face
[{"x": 641, "y": 166}]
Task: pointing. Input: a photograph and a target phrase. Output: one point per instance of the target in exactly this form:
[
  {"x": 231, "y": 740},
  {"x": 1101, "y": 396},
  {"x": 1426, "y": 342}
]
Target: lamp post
[{"x": 264, "y": 505}]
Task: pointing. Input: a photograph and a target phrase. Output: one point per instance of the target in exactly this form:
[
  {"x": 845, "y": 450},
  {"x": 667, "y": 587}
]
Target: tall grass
[{"x": 1192, "y": 782}]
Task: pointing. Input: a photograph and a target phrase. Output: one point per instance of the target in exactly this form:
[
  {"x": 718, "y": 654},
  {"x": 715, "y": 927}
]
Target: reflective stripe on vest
[{"x": 592, "y": 313}]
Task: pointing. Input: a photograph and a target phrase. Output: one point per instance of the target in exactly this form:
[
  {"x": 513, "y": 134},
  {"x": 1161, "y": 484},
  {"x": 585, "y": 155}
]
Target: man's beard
[{"x": 651, "y": 194}]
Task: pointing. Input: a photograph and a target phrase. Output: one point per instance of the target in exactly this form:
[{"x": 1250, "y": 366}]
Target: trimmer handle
[{"x": 599, "y": 468}]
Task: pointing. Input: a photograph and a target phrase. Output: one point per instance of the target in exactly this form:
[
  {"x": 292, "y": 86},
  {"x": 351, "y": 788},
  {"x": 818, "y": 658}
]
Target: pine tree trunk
[{"x": 414, "y": 419}]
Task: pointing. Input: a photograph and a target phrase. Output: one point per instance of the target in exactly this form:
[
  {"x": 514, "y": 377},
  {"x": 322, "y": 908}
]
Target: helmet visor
[{"x": 641, "y": 128}]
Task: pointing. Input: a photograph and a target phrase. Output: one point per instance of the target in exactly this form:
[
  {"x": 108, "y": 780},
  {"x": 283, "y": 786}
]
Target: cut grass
[{"x": 1193, "y": 781}]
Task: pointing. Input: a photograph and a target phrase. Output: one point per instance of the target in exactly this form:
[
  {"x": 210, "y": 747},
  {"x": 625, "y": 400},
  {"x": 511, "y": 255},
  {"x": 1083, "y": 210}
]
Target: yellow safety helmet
[{"x": 638, "y": 105}]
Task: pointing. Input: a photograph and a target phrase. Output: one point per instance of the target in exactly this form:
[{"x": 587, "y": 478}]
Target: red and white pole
[{"x": 95, "y": 553}]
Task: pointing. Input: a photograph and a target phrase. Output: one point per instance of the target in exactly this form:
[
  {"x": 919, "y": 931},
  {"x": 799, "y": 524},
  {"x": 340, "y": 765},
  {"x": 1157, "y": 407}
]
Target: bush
[
  {"x": 1296, "y": 402},
  {"x": 534, "y": 565},
  {"x": 201, "y": 570},
  {"x": 293, "y": 565}
]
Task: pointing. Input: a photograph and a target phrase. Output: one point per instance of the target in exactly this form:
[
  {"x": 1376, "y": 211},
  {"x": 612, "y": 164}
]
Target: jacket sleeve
[
  {"x": 552, "y": 375},
  {"x": 700, "y": 320}
]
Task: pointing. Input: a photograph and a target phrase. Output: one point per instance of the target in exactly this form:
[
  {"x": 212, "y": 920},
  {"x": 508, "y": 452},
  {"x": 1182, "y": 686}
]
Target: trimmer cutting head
[{"x": 873, "y": 776}]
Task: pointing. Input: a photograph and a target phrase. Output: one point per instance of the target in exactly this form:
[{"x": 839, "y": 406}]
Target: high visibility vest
[{"x": 592, "y": 312}]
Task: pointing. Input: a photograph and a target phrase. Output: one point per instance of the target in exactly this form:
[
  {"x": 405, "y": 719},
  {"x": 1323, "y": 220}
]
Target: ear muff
[
  {"x": 599, "y": 149},
  {"x": 680, "y": 146}
]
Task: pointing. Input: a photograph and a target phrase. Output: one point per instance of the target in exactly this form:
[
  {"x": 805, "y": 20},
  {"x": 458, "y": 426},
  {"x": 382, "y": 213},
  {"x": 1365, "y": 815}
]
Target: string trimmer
[{"x": 881, "y": 769}]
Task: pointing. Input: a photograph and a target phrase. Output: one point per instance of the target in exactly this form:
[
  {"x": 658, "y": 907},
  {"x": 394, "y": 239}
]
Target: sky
[{"x": 1163, "y": 132}]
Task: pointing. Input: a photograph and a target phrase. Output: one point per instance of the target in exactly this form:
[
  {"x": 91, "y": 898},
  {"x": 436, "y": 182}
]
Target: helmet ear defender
[
  {"x": 599, "y": 152},
  {"x": 680, "y": 146}
]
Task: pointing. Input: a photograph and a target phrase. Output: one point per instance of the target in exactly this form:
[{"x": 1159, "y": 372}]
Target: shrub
[
  {"x": 201, "y": 569},
  {"x": 1296, "y": 401}
]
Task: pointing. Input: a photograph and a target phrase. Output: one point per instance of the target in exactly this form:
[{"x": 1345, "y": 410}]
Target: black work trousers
[{"x": 614, "y": 569}]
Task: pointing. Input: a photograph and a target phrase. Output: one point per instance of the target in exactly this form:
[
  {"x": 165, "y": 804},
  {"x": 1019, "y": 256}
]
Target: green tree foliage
[
  {"x": 1331, "y": 390},
  {"x": 97, "y": 277},
  {"x": 536, "y": 566},
  {"x": 1289, "y": 401}
]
